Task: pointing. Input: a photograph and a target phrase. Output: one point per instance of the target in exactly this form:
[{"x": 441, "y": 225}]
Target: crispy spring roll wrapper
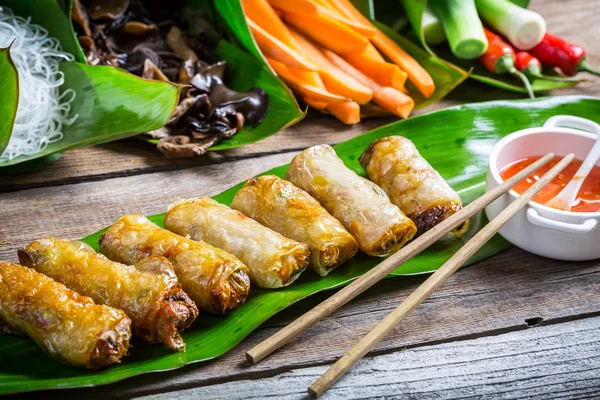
[
  {"x": 394, "y": 163},
  {"x": 70, "y": 328},
  {"x": 378, "y": 226},
  {"x": 148, "y": 292},
  {"x": 217, "y": 281},
  {"x": 274, "y": 260},
  {"x": 289, "y": 210}
]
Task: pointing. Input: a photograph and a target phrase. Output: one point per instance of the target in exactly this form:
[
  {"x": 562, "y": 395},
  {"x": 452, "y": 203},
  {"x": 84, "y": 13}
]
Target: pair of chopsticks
[{"x": 346, "y": 294}]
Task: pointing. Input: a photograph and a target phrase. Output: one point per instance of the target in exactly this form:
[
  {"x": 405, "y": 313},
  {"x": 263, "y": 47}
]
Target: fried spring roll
[
  {"x": 289, "y": 210},
  {"x": 148, "y": 292},
  {"x": 70, "y": 328},
  {"x": 378, "y": 226},
  {"x": 274, "y": 260},
  {"x": 394, "y": 163},
  {"x": 217, "y": 281}
]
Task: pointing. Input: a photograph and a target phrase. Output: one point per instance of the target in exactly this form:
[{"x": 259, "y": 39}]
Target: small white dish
[{"x": 545, "y": 231}]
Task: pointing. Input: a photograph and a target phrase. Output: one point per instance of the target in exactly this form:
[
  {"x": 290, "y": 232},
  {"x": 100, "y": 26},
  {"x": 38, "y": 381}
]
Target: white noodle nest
[{"x": 42, "y": 110}]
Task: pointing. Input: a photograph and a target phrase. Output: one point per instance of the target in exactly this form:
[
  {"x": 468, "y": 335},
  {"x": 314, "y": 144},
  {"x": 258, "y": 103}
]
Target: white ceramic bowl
[{"x": 542, "y": 230}]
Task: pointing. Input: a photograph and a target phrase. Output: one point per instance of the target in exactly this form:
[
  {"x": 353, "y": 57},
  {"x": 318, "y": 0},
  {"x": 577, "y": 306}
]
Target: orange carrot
[
  {"x": 299, "y": 6},
  {"x": 334, "y": 78},
  {"x": 365, "y": 30},
  {"x": 373, "y": 53},
  {"x": 330, "y": 33},
  {"x": 348, "y": 112},
  {"x": 303, "y": 88},
  {"x": 385, "y": 73},
  {"x": 416, "y": 73},
  {"x": 387, "y": 97},
  {"x": 316, "y": 104},
  {"x": 277, "y": 50},
  {"x": 261, "y": 12}
]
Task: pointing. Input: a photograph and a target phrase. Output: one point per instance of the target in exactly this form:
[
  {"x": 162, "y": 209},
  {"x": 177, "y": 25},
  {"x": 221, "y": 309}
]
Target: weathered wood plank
[
  {"x": 135, "y": 157},
  {"x": 550, "y": 362}
]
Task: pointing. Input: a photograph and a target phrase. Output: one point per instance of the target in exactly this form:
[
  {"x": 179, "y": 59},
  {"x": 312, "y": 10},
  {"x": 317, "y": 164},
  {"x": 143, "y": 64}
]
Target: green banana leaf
[
  {"x": 110, "y": 104},
  {"x": 9, "y": 87},
  {"x": 393, "y": 14},
  {"x": 445, "y": 76},
  {"x": 456, "y": 141}
]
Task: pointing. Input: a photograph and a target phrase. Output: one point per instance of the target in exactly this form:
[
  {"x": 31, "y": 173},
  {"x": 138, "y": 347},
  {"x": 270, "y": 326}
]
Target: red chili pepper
[
  {"x": 532, "y": 68},
  {"x": 500, "y": 59},
  {"x": 556, "y": 52}
]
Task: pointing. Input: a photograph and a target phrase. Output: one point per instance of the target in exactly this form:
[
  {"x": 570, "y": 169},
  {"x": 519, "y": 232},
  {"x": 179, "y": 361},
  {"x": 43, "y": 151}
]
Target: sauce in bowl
[{"x": 588, "y": 198}]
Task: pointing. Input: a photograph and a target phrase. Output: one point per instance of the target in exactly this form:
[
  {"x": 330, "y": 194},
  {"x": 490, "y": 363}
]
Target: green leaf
[
  {"x": 9, "y": 87},
  {"x": 479, "y": 73},
  {"x": 456, "y": 141},
  {"x": 110, "y": 104}
]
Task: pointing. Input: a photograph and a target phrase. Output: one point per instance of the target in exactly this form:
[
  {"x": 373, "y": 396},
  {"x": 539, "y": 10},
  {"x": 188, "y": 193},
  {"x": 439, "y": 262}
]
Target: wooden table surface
[{"x": 89, "y": 188}]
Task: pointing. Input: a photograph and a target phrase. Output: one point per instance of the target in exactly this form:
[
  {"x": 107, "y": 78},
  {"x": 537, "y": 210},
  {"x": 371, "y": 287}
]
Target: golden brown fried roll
[
  {"x": 148, "y": 292},
  {"x": 70, "y": 328},
  {"x": 394, "y": 163},
  {"x": 289, "y": 210},
  {"x": 378, "y": 226},
  {"x": 217, "y": 281},
  {"x": 274, "y": 260}
]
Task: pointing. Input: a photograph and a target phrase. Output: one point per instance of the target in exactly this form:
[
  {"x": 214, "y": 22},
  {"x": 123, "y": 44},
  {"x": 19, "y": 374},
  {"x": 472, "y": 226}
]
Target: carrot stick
[
  {"x": 365, "y": 30},
  {"x": 301, "y": 87},
  {"x": 330, "y": 33},
  {"x": 316, "y": 104},
  {"x": 416, "y": 73},
  {"x": 387, "y": 97},
  {"x": 334, "y": 78},
  {"x": 261, "y": 12},
  {"x": 348, "y": 112},
  {"x": 372, "y": 52},
  {"x": 385, "y": 73},
  {"x": 277, "y": 50},
  {"x": 299, "y": 6}
]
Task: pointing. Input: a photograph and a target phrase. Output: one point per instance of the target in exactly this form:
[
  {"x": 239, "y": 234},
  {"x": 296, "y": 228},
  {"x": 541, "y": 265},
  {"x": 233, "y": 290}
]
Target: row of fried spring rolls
[{"x": 318, "y": 217}]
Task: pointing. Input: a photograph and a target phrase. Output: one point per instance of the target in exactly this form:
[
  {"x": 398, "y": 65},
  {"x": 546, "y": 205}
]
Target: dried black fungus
[{"x": 163, "y": 41}]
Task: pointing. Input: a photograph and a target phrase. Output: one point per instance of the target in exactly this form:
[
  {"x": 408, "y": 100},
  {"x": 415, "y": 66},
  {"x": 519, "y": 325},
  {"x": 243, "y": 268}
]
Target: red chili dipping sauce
[{"x": 588, "y": 198}]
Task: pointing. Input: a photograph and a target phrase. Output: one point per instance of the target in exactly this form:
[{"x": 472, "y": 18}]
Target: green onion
[
  {"x": 462, "y": 27},
  {"x": 524, "y": 28},
  {"x": 433, "y": 31}
]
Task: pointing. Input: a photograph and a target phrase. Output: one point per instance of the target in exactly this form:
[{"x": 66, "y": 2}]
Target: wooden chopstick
[
  {"x": 384, "y": 268},
  {"x": 432, "y": 283}
]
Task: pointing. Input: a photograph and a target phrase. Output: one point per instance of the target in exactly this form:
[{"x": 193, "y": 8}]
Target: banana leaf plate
[{"x": 456, "y": 141}]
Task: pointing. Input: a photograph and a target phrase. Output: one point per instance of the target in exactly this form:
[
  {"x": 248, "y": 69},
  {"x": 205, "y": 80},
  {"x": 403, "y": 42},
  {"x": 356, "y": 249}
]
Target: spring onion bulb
[
  {"x": 524, "y": 28},
  {"x": 433, "y": 31},
  {"x": 462, "y": 27},
  {"x": 42, "y": 109}
]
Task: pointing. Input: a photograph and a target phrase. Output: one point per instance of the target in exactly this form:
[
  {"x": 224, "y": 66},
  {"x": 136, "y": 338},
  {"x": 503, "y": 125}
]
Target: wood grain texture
[
  {"x": 132, "y": 156},
  {"x": 550, "y": 362}
]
